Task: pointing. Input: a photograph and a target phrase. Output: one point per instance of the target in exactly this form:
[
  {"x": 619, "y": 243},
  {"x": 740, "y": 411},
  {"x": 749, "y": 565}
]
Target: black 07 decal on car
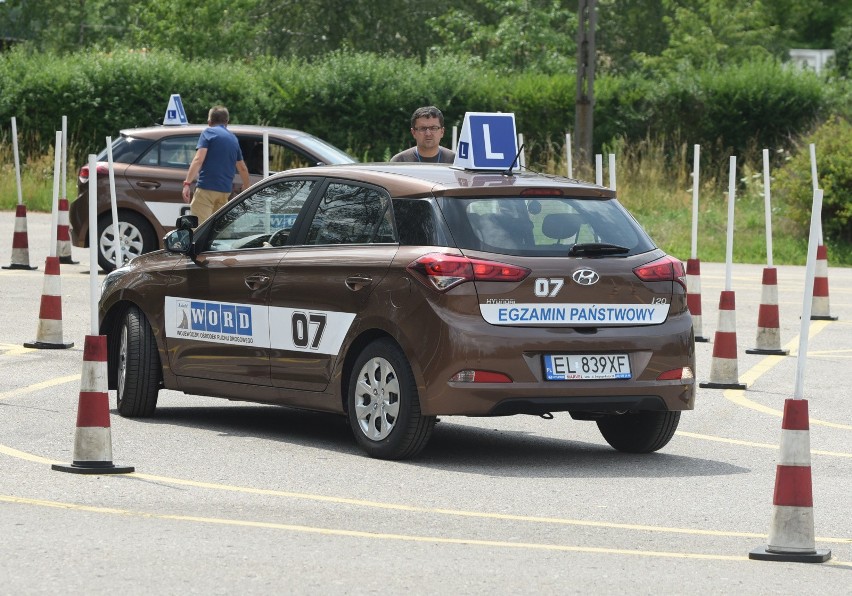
[{"x": 307, "y": 329}]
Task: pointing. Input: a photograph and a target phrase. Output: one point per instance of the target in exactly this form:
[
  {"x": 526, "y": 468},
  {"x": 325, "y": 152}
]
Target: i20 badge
[{"x": 585, "y": 277}]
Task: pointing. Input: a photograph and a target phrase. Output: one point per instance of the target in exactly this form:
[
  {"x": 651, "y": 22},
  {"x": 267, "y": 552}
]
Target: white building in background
[{"x": 815, "y": 60}]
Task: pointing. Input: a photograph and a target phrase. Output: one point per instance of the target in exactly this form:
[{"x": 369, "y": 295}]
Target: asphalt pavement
[{"x": 231, "y": 497}]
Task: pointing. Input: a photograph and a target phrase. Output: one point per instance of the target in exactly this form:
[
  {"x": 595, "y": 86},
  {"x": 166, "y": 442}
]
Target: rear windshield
[
  {"x": 546, "y": 226},
  {"x": 126, "y": 149}
]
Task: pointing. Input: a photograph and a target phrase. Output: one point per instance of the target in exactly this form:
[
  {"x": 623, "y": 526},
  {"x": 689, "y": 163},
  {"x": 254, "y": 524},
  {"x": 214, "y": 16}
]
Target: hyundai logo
[{"x": 585, "y": 277}]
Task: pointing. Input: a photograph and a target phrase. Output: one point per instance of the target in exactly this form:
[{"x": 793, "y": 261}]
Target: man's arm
[
  {"x": 192, "y": 174},
  {"x": 244, "y": 174}
]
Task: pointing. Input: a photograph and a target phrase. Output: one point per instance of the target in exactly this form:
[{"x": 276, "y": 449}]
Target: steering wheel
[{"x": 279, "y": 238}]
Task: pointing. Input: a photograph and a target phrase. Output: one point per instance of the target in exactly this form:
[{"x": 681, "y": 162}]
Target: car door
[
  {"x": 326, "y": 280},
  {"x": 157, "y": 177},
  {"x": 217, "y": 307}
]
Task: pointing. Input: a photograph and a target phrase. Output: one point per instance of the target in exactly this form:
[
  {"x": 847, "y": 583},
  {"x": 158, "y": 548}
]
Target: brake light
[
  {"x": 676, "y": 374},
  {"x": 542, "y": 192},
  {"x": 479, "y": 376},
  {"x": 442, "y": 271},
  {"x": 101, "y": 170},
  {"x": 665, "y": 269}
]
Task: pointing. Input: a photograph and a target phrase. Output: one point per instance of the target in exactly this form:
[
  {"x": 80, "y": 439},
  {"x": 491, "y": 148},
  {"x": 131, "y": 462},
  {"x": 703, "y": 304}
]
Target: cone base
[
  {"x": 712, "y": 385},
  {"x": 768, "y": 352},
  {"x": 698, "y": 338},
  {"x": 818, "y": 556},
  {"x": 18, "y": 266},
  {"x": 823, "y": 318},
  {"x": 92, "y": 468},
  {"x": 68, "y": 261},
  {"x": 41, "y": 345}
]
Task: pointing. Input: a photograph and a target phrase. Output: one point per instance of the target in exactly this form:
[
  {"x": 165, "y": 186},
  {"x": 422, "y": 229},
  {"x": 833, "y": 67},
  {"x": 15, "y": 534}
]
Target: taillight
[
  {"x": 676, "y": 374},
  {"x": 479, "y": 376},
  {"x": 665, "y": 269},
  {"x": 442, "y": 271},
  {"x": 102, "y": 170}
]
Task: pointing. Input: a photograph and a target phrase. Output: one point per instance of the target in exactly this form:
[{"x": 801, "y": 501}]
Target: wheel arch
[{"x": 111, "y": 327}]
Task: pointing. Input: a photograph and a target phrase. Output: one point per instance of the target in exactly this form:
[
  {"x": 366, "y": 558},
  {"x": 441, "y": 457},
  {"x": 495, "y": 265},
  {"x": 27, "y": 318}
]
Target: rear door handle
[
  {"x": 356, "y": 282},
  {"x": 257, "y": 281},
  {"x": 148, "y": 184}
]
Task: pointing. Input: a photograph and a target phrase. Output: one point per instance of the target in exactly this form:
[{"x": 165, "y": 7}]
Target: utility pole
[{"x": 585, "y": 103}]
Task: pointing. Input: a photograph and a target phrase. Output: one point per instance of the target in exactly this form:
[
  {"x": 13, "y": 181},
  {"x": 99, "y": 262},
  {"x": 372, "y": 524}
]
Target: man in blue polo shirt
[{"x": 216, "y": 159}]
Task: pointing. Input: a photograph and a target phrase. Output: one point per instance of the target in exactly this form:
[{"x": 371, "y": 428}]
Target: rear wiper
[{"x": 597, "y": 249}]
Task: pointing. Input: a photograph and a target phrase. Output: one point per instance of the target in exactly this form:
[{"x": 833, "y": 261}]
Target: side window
[
  {"x": 263, "y": 219},
  {"x": 418, "y": 223},
  {"x": 281, "y": 157},
  {"x": 350, "y": 214},
  {"x": 174, "y": 152}
]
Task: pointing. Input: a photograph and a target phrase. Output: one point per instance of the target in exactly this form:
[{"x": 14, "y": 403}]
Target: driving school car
[{"x": 396, "y": 293}]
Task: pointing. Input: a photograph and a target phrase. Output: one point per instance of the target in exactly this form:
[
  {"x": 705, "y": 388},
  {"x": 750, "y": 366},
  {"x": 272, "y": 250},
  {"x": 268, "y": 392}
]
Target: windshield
[{"x": 545, "y": 226}]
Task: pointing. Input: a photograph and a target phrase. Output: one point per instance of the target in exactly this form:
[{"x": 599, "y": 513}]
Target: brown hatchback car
[
  {"x": 396, "y": 293},
  {"x": 150, "y": 166}
]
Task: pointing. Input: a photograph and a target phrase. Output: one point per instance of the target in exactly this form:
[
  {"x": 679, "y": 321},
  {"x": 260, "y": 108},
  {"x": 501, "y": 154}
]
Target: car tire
[
  {"x": 384, "y": 406},
  {"x": 138, "y": 372},
  {"x": 639, "y": 432},
  {"x": 137, "y": 238}
]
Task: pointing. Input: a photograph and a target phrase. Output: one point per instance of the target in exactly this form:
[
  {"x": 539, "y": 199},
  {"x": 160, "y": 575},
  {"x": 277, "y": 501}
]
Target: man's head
[
  {"x": 427, "y": 128},
  {"x": 218, "y": 115}
]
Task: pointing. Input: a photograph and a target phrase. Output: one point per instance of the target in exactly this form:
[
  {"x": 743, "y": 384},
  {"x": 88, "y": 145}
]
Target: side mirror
[
  {"x": 180, "y": 240},
  {"x": 186, "y": 222}
]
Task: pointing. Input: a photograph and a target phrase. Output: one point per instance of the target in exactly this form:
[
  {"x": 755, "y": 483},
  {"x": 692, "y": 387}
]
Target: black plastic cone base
[
  {"x": 762, "y": 554},
  {"x": 43, "y": 345},
  {"x": 823, "y": 318},
  {"x": 723, "y": 385},
  {"x": 701, "y": 339},
  {"x": 92, "y": 467},
  {"x": 68, "y": 261},
  {"x": 19, "y": 266},
  {"x": 768, "y": 352}
]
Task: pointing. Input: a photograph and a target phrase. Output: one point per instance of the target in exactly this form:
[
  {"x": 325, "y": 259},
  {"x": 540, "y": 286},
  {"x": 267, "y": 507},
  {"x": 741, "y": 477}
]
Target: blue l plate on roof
[{"x": 488, "y": 141}]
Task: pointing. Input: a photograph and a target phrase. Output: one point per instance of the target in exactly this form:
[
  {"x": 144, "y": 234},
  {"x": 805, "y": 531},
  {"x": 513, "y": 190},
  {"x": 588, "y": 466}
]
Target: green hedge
[{"x": 362, "y": 102}]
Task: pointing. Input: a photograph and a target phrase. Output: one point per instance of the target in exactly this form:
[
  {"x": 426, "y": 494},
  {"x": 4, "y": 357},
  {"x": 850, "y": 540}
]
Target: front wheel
[
  {"x": 138, "y": 367},
  {"x": 639, "y": 432},
  {"x": 384, "y": 407}
]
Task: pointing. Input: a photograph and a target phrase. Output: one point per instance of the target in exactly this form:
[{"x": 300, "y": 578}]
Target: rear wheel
[
  {"x": 384, "y": 407},
  {"x": 136, "y": 237},
  {"x": 639, "y": 432},
  {"x": 138, "y": 367}
]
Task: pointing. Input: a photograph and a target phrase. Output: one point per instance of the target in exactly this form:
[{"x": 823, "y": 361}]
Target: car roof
[
  {"x": 417, "y": 180},
  {"x": 156, "y": 132}
]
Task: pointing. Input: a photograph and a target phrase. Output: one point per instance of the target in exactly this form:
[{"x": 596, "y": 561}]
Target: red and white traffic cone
[
  {"x": 49, "y": 333},
  {"x": 791, "y": 530},
  {"x": 92, "y": 438},
  {"x": 820, "y": 310},
  {"x": 723, "y": 368},
  {"x": 768, "y": 328},
  {"x": 20, "y": 243},
  {"x": 63, "y": 235},
  {"x": 693, "y": 296}
]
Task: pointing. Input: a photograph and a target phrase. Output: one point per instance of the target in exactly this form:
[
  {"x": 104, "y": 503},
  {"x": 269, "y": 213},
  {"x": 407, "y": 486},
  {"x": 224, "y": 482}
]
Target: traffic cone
[
  {"x": 49, "y": 334},
  {"x": 768, "y": 331},
  {"x": 63, "y": 235},
  {"x": 693, "y": 296},
  {"x": 791, "y": 529},
  {"x": 820, "y": 310},
  {"x": 92, "y": 438},
  {"x": 723, "y": 368},
  {"x": 20, "y": 244}
]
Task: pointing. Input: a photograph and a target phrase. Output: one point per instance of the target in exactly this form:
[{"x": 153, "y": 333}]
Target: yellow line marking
[
  {"x": 752, "y": 444},
  {"x": 14, "y": 350},
  {"x": 416, "y": 509},
  {"x": 738, "y": 397},
  {"x": 39, "y": 386},
  {"x": 370, "y": 535}
]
